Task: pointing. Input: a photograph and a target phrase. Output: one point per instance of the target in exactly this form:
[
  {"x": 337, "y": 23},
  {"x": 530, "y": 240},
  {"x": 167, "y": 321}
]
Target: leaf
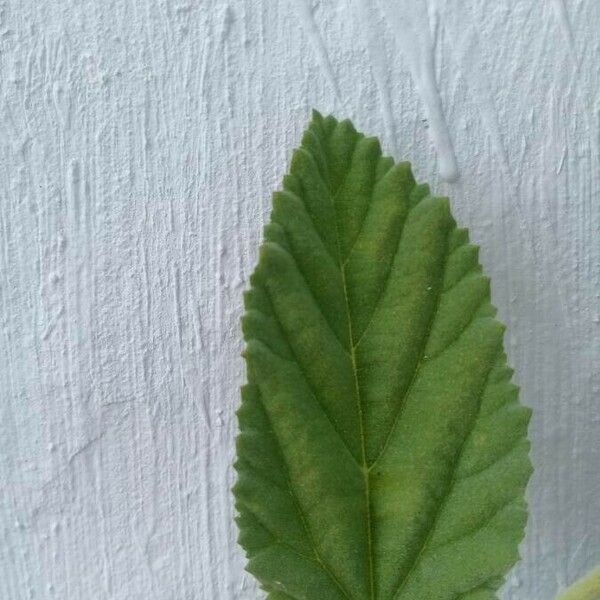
[
  {"x": 587, "y": 588},
  {"x": 382, "y": 451}
]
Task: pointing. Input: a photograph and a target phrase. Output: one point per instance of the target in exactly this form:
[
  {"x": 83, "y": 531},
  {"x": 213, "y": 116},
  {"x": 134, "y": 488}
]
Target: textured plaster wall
[{"x": 139, "y": 143}]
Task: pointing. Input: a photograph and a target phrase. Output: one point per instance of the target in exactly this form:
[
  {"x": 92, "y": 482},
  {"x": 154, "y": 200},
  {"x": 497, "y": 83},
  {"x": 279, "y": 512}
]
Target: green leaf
[
  {"x": 382, "y": 451},
  {"x": 587, "y": 588}
]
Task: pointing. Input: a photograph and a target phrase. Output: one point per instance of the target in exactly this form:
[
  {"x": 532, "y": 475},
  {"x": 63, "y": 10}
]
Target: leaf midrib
[
  {"x": 352, "y": 351},
  {"x": 364, "y": 465}
]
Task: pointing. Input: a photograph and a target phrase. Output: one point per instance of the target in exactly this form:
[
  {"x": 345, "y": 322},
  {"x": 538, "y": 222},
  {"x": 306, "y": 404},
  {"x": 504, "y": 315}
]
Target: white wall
[{"x": 140, "y": 142}]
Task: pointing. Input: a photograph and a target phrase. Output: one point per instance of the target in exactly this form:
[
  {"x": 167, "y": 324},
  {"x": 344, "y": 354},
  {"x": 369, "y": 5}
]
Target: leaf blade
[{"x": 376, "y": 359}]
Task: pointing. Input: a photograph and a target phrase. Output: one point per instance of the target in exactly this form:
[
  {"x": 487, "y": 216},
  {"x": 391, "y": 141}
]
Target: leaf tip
[{"x": 316, "y": 116}]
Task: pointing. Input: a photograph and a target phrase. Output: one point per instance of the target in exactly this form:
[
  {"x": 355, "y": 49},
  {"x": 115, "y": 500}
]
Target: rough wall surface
[{"x": 140, "y": 142}]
